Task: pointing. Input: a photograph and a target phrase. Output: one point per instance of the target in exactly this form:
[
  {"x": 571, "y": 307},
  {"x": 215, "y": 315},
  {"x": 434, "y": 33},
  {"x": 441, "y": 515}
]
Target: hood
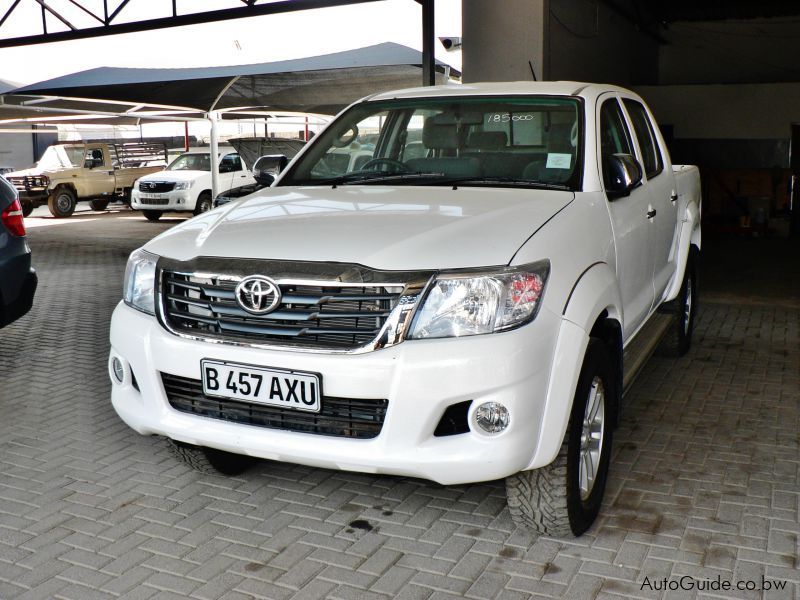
[
  {"x": 393, "y": 228},
  {"x": 37, "y": 172},
  {"x": 174, "y": 175}
]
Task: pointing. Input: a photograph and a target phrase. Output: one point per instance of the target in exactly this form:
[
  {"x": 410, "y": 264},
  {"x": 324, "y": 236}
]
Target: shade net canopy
[{"x": 318, "y": 84}]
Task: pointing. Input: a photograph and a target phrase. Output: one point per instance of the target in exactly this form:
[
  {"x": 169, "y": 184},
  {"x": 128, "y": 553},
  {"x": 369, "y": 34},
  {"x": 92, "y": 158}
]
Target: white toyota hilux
[{"x": 455, "y": 283}]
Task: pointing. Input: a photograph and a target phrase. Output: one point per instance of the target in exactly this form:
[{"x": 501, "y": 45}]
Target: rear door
[
  {"x": 633, "y": 231},
  {"x": 660, "y": 183},
  {"x": 230, "y": 172}
]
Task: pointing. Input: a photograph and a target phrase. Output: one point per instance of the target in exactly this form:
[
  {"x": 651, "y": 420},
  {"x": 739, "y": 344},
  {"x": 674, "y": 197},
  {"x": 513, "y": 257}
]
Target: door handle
[
  {"x": 673, "y": 197},
  {"x": 651, "y": 213}
]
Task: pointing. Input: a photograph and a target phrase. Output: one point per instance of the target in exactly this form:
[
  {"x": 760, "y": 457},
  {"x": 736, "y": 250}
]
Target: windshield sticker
[{"x": 558, "y": 161}]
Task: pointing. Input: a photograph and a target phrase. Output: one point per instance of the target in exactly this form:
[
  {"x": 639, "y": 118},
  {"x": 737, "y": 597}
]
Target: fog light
[
  {"x": 119, "y": 370},
  {"x": 492, "y": 417}
]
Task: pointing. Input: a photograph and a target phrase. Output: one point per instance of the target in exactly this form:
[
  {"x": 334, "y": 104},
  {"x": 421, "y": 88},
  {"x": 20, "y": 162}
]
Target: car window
[
  {"x": 614, "y": 135},
  {"x": 651, "y": 157},
  {"x": 231, "y": 163},
  {"x": 7, "y": 193}
]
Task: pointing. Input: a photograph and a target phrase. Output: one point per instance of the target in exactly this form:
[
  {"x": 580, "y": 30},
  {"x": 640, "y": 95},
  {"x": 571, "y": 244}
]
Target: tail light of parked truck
[{"x": 12, "y": 219}]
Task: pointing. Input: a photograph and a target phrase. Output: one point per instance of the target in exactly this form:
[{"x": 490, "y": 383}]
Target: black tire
[
  {"x": 153, "y": 215},
  {"x": 98, "y": 205},
  {"x": 550, "y": 500},
  {"x": 27, "y": 207},
  {"x": 203, "y": 203},
  {"x": 210, "y": 460},
  {"x": 62, "y": 202},
  {"x": 678, "y": 339}
]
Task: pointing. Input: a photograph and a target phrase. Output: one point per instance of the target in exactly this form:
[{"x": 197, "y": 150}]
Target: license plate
[
  {"x": 151, "y": 196},
  {"x": 297, "y": 390}
]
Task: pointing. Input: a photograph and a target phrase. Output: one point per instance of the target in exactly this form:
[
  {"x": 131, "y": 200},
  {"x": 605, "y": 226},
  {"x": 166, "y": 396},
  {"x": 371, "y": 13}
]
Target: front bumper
[
  {"x": 175, "y": 200},
  {"x": 419, "y": 378}
]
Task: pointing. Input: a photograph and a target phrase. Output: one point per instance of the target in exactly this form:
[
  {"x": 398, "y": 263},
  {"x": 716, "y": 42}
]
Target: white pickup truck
[
  {"x": 185, "y": 185},
  {"x": 469, "y": 303}
]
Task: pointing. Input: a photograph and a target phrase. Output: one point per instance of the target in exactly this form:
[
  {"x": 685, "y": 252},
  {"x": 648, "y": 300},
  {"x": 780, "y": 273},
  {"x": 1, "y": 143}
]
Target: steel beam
[
  {"x": 428, "y": 56},
  {"x": 248, "y": 10}
]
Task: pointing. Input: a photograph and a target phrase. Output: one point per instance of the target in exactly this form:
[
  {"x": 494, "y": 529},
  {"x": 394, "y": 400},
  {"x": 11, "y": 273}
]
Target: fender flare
[
  {"x": 689, "y": 236},
  {"x": 596, "y": 292}
]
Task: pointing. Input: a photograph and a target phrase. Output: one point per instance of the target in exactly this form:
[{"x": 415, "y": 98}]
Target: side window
[
  {"x": 614, "y": 136},
  {"x": 230, "y": 163},
  {"x": 94, "y": 158},
  {"x": 653, "y": 165}
]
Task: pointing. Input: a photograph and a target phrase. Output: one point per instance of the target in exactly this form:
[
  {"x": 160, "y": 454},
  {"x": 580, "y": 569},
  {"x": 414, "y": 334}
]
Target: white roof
[{"x": 547, "y": 88}]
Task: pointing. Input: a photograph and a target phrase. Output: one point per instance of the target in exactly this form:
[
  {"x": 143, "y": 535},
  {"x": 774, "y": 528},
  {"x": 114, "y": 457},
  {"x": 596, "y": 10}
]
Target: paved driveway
[{"x": 704, "y": 478}]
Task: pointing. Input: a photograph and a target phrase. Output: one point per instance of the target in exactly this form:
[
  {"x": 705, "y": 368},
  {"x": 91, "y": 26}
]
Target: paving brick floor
[{"x": 705, "y": 477}]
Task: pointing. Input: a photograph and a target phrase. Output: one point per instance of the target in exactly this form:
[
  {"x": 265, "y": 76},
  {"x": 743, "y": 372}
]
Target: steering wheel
[{"x": 399, "y": 166}]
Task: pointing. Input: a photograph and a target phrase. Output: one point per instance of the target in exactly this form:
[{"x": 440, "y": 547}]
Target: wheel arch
[{"x": 593, "y": 309}]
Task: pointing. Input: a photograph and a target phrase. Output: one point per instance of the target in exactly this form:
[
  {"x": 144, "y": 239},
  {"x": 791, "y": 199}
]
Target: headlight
[
  {"x": 183, "y": 185},
  {"x": 140, "y": 279},
  {"x": 476, "y": 303}
]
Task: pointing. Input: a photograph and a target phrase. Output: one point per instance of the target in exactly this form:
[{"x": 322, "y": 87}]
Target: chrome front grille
[
  {"x": 334, "y": 313},
  {"x": 156, "y": 186}
]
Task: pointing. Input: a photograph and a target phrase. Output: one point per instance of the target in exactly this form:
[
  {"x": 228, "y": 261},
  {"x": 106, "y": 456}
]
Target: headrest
[
  {"x": 439, "y": 137},
  {"x": 487, "y": 140}
]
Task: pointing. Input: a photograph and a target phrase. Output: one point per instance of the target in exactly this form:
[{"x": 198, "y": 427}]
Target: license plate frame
[
  {"x": 152, "y": 196},
  {"x": 294, "y": 389}
]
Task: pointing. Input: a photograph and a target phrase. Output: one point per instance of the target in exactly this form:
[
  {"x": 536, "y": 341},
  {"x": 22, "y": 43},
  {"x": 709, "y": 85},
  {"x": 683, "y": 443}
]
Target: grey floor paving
[{"x": 705, "y": 478}]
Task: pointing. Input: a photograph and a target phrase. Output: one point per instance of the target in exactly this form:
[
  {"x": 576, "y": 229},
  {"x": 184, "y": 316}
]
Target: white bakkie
[
  {"x": 455, "y": 283},
  {"x": 185, "y": 185}
]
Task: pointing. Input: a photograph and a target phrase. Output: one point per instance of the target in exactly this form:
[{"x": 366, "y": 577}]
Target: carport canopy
[{"x": 319, "y": 84}]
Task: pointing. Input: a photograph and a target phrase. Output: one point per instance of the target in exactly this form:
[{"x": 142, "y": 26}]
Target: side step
[{"x": 642, "y": 347}]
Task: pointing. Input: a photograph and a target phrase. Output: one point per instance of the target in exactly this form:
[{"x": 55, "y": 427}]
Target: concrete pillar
[{"x": 500, "y": 38}]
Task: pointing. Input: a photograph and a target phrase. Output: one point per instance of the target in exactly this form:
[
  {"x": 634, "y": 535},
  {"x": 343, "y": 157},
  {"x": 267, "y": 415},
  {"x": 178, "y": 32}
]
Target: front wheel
[
  {"x": 203, "y": 203},
  {"x": 564, "y": 498},
  {"x": 153, "y": 215},
  {"x": 62, "y": 203},
  {"x": 210, "y": 460},
  {"x": 27, "y": 207}
]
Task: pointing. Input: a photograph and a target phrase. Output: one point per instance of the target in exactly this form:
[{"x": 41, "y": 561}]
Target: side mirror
[
  {"x": 623, "y": 173},
  {"x": 268, "y": 167}
]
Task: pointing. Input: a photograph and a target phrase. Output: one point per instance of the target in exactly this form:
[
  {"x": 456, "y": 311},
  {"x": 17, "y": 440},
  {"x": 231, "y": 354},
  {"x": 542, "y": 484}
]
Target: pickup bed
[
  {"x": 97, "y": 172},
  {"x": 456, "y": 283}
]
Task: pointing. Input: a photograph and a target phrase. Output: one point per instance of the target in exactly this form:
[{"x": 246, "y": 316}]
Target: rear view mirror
[
  {"x": 622, "y": 173},
  {"x": 267, "y": 168}
]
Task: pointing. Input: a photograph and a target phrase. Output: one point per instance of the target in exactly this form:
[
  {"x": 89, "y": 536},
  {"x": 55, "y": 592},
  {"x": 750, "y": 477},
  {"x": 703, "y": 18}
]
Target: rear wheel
[
  {"x": 153, "y": 215},
  {"x": 98, "y": 205},
  {"x": 210, "y": 460},
  {"x": 678, "y": 339},
  {"x": 62, "y": 202},
  {"x": 203, "y": 203},
  {"x": 563, "y": 498}
]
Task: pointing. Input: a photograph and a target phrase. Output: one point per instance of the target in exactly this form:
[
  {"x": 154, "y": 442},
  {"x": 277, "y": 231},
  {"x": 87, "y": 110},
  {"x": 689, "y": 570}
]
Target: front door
[
  {"x": 633, "y": 231},
  {"x": 98, "y": 172}
]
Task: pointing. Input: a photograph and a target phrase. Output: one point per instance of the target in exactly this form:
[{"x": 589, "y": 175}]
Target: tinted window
[
  {"x": 231, "y": 163},
  {"x": 614, "y": 136},
  {"x": 644, "y": 134},
  {"x": 7, "y": 193}
]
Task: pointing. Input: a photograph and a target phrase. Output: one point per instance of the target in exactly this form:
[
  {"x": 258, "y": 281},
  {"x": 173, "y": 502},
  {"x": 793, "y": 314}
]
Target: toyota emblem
[{"x": 258, "y": 295}]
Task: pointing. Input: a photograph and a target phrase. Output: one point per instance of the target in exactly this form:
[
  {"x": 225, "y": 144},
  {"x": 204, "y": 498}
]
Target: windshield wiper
[
  {"x": 510, "y": 181},
  {"x": 356, "y": 177}
]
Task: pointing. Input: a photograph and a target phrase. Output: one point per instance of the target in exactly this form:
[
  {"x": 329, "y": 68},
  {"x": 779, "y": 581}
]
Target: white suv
[
  {"x": 456, "y": 283},
  {"x": 185, "y": 185}
]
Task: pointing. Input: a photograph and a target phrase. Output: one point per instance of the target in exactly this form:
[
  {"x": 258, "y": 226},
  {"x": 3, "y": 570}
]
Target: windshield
[
  {"x": 521, "y": 141},
  {"x": 61, "y": 157},
  {"x": 191, "y": 162}
]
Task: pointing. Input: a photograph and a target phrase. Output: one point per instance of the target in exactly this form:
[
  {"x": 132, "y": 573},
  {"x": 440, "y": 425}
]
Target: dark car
[{"x": 17, "y": 279}]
